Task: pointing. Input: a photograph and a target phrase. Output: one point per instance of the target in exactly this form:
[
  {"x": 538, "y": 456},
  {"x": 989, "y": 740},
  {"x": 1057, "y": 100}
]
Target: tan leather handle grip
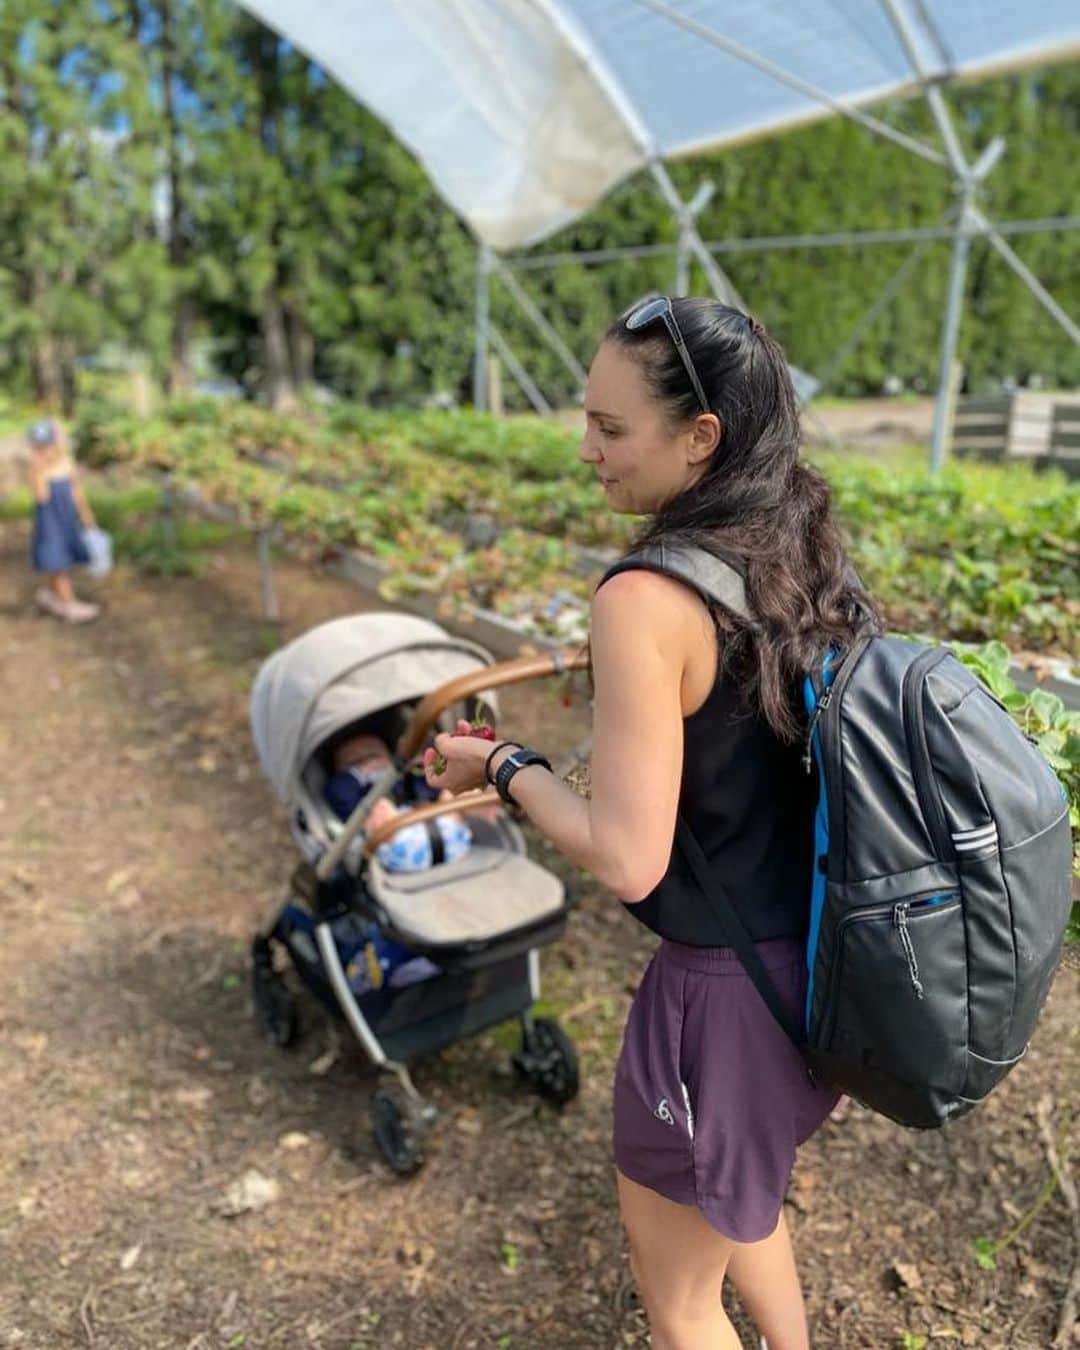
[
  {"x": 491, "y": 677},
  {"x": 465, "y": 801}
]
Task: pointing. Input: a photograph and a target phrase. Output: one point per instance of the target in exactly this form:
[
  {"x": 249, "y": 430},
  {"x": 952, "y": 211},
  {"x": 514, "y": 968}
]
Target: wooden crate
[{"x": 1041, "y": 428}]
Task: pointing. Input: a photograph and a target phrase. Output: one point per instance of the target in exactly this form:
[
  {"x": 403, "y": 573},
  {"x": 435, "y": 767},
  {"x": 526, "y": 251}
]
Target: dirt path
[{"x": 138, "y": 843}]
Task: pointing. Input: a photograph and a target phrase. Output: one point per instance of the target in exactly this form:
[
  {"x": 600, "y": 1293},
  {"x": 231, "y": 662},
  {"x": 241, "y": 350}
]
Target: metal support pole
[
  {"x": 694, "y": 208},
  {"x": 907, "y": 33},
  {"x": 764, "y": 243},
  {"x": 726, "y": 44},
  {"x": 540, "y": 323},
  {"x": 483, "y": 326},
  {"x": 682, "y": 265},
  {"x": 528, "y": 387},
  {"x": 1028, "y": 277},
  {"x": 721, "y": 286},
  {"x": 950, "y": 330}
]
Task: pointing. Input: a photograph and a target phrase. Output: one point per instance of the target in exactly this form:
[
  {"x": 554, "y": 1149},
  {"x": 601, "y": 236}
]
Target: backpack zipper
[
  {"x": 822, "y": 704},
  {"x": 900, "y": 914},
  {"x": 830, "y": 698}
]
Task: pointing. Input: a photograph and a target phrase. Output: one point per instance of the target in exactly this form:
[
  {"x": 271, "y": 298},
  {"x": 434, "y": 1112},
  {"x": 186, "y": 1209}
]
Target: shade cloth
[{"x": 525, "y": 113}]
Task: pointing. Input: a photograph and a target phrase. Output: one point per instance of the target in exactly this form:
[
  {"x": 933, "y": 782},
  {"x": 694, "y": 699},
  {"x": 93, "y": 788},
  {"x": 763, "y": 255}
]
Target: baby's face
[{"x": 367, "y": 753}]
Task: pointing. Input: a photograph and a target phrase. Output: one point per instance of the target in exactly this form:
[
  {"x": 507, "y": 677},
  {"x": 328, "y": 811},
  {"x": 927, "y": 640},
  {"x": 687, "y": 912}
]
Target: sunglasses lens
[{"x": 646, "y": 313}]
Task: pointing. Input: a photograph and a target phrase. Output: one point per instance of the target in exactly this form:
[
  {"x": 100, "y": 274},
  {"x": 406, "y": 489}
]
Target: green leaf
[
  {"x": 1048, "y": 707},
  {"x": 985, "y": 1252}
]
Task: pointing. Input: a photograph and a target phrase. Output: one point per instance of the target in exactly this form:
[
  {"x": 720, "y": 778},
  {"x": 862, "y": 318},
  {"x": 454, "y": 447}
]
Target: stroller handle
[
  {"x": 492, "y": 677},
  {"x": 464, "y": 801}
]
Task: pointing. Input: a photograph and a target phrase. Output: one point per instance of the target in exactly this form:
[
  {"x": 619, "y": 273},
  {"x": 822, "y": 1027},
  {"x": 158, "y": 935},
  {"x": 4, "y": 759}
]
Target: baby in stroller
[{"x": 355, "y": 758}]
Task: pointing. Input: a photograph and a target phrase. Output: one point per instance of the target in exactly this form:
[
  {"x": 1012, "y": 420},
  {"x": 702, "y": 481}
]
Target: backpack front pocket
[{"x": 898, "y": 991}]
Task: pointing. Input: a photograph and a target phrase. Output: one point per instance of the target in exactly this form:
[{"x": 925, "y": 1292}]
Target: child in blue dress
[{"x": 61, "y": 513}]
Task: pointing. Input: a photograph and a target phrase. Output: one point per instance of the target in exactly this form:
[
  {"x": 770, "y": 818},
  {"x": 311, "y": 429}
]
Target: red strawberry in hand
[{"x": 478, "y": 728}]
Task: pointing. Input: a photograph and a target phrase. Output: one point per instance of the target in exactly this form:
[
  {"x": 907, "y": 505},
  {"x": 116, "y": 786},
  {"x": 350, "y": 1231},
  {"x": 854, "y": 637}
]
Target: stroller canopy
[{"x": 341, "y": 671}]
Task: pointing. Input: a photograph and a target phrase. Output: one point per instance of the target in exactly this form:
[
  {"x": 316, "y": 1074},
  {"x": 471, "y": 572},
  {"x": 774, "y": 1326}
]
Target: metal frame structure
[{"x": 966, "y": 223}]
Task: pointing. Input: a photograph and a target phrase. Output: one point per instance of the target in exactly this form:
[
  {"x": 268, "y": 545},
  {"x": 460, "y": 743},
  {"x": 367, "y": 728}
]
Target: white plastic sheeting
[{"x": 526, "y": 112}]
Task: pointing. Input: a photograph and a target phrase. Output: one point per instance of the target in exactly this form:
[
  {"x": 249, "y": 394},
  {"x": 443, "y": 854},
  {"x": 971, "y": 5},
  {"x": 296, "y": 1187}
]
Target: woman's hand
[{"x": 465, "y": 757}]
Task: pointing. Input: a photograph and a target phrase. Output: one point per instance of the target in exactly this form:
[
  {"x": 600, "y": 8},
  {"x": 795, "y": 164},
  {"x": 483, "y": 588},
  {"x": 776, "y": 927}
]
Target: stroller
[{"x": 479, "y": 919}]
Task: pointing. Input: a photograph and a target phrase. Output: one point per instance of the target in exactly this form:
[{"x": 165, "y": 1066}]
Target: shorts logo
[{"x": 663, "y": 1112}]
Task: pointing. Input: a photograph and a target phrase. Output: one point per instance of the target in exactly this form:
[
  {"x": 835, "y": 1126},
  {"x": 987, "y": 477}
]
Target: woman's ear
[{"x": 705, "y": 435}]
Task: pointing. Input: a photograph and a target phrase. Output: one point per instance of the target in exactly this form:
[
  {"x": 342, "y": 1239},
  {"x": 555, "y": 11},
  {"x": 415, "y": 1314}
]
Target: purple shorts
[{"x": 711, "y": 1098}]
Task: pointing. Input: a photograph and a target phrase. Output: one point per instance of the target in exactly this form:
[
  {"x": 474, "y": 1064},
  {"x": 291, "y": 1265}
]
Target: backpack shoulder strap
[
  {"x": 713, "y": 579},
  {"x": 710, "y": 576}
]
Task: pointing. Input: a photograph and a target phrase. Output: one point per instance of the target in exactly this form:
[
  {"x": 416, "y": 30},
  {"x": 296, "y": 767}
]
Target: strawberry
[{"x": 478, "y": 728}]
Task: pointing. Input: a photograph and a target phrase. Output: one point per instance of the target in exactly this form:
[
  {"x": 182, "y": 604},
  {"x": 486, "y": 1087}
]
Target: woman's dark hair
[{"x": 757, "y": 503}]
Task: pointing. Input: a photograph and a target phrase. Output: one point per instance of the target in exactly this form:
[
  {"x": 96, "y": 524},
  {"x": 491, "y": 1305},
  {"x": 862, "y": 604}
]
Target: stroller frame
[{"x": 480, "y": 985}]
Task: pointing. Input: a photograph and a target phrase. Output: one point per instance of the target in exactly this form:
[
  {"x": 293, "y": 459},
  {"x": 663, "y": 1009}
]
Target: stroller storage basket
[{"x": 425, "y": 1017}]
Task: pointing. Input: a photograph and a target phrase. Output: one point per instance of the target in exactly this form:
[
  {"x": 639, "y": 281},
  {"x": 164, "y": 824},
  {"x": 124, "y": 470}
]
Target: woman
[{"x": 692, "y": 421}]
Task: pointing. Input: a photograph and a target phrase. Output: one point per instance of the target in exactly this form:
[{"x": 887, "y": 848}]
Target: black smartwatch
[{"x": 517, "y": 759}]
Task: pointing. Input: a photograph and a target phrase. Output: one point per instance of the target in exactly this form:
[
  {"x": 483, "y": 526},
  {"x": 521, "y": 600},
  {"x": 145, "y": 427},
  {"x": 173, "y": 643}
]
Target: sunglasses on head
[{"x": 660, "y": 308}]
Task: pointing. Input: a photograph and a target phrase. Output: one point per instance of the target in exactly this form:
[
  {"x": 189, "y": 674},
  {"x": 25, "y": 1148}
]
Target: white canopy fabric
[{"x": 526, "y": 112}]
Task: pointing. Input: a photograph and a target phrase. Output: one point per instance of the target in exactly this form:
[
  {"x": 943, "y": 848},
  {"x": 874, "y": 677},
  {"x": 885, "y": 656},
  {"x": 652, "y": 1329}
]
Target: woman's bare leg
[
  {"x": 678, "y": 1261},
  {"x": 767, "y": 1282}
]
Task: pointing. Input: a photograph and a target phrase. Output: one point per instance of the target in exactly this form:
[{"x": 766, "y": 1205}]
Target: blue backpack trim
[{"x": 821, "y": 822}]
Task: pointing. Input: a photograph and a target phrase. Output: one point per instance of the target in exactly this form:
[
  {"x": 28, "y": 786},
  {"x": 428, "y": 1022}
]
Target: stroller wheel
[
  {"x": 400, "y": 1128},
  {"x": 548, "y": 1061},
  {"x": 275, "y": 1008}
]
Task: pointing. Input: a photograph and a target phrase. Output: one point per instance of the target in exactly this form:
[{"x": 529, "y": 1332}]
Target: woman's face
[{"x": 640, "y": 459}]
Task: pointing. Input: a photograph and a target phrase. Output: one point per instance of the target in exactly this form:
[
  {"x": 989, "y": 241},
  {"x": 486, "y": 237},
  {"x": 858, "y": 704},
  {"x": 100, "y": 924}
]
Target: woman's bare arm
[{"x": 623, "y": 834}]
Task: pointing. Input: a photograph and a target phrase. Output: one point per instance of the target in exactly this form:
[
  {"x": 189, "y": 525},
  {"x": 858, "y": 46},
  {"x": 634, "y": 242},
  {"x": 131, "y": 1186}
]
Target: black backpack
[{"x": 943, "y": 877}]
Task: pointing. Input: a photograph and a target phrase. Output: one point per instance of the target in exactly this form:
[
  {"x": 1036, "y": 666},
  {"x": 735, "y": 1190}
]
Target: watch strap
[
  {"x": 517, "y": 759},
  {"x": 494, "y": 751}
]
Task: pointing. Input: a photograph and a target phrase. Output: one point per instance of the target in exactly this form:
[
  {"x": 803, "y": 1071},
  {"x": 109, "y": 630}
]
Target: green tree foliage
[
  {"x": 72, "y": 191},
  {"x": 171, "y": 172}
]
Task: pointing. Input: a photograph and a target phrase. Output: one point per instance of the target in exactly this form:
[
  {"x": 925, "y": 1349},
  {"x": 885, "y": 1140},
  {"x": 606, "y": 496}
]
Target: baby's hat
[{"x": 45, "y": 432}]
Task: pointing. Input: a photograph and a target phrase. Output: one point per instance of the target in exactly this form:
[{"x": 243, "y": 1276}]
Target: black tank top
[{"x": 750, "y": 805}]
